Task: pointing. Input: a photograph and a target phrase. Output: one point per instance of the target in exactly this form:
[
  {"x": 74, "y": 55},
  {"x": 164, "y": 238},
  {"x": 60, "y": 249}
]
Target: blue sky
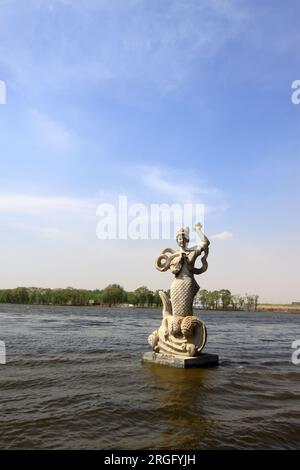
[{"x": 137, "y": 97}]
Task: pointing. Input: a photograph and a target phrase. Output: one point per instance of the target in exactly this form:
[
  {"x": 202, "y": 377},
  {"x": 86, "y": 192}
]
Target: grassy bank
[{"x": 279, "y": 308}]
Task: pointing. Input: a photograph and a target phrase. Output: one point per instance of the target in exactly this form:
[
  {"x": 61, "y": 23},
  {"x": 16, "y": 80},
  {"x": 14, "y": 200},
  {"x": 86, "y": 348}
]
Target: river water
[{"x": 74, "y": 379}]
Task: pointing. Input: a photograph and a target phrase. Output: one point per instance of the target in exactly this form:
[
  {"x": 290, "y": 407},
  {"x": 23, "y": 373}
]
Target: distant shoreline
[
  {"x": 260, "y": 309},
  {"x": 279, "y": 308}
]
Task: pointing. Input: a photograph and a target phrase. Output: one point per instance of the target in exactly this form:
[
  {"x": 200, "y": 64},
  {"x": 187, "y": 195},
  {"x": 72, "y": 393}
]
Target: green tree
[
  {"x": 144, "y": 296},
  {"x": 131, "y": 298},
  {"x": 225, "y": 296},
  {"x": 113, "y": 294},
  {"x": 203, "y": 297},
  {"x": 213, "y": 299}
]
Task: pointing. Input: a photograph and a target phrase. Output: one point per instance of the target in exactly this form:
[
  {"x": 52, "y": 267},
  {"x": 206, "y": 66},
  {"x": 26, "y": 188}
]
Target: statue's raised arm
[
  {"x": 204, "y": 240},
  {"x": 202, "y": 247}
]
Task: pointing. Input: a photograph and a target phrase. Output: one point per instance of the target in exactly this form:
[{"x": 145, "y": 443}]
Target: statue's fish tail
[{"x": 167, "y": 306}]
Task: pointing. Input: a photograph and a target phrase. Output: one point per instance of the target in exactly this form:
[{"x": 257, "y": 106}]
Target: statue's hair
[{"x": 185, "y": 231}]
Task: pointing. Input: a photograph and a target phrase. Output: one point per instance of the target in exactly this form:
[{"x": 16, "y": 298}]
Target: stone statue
[{"x": 181, "y": 333}]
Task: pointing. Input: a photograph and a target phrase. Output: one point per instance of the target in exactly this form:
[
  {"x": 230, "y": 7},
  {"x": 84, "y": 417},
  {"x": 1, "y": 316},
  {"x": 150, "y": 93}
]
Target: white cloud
[
  {"x": 181, "y": 186},
  {"x": 178, "y": 186},
  {"x": 42, "y": 205},
  {"x": 53, "y": 233},
  {"x": 222, "y": 236},
  {"x": 52, "y": 133},
  {"x": 61, "y": 219},
  {"x": 57, "y": 216}
]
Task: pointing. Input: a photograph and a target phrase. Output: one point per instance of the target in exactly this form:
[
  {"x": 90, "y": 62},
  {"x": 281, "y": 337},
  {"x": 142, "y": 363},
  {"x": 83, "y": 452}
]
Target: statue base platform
[{"x": 181, "y": 362}]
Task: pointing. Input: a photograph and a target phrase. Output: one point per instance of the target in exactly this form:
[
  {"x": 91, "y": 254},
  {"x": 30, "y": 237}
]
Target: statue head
[{"x": 182, "y": 236}]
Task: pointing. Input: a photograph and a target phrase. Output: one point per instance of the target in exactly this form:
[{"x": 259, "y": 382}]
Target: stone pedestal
[{"x": 203, "y": 360}]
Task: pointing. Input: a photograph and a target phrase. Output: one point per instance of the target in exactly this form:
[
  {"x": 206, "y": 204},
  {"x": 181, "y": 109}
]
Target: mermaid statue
[{"x": 181, "y": 332}]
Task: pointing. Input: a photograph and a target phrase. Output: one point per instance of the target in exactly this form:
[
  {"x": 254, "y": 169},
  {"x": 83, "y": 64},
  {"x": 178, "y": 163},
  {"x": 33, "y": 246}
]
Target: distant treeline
[
  {"x": 224, "y": 300},
  {"x": 111, "y": 295},
  {"x": 114, "y": 294}
]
